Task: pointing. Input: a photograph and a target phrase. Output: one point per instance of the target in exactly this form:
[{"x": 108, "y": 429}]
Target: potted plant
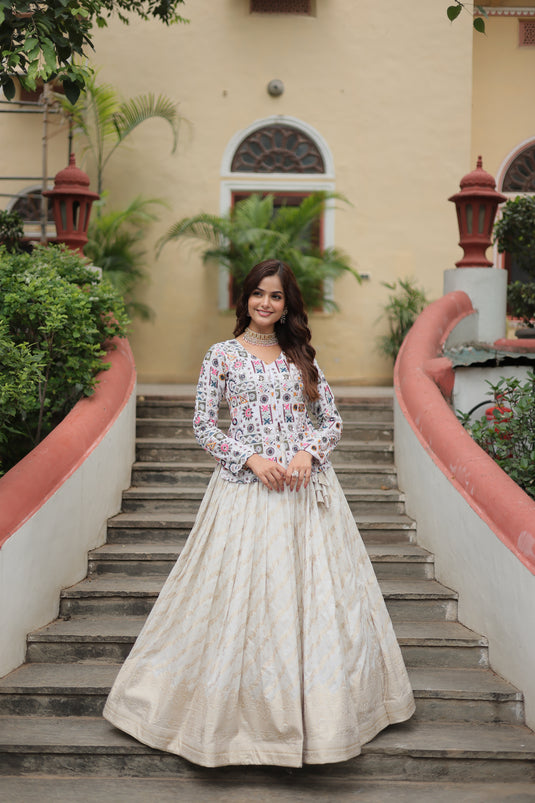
[
  {"x": 405, "y": 303},
  {"x": 514, "y": 234}
]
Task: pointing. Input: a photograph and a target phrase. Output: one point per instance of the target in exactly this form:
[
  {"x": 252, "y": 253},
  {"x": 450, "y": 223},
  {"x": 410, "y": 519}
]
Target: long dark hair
[{"x": 294, "y": 335}]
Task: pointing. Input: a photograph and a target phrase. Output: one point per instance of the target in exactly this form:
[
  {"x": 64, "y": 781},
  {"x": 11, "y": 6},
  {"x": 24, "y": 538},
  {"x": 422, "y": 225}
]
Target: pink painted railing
[
  {"x": 423, "y": 380},
  {"x": 29, "y": 484}
]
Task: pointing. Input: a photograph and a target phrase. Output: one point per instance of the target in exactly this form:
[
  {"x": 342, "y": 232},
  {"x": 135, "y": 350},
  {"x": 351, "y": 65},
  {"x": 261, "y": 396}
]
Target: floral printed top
[{"x": 268, "y": 413}]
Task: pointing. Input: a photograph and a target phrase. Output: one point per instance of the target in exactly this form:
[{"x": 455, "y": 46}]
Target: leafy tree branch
[
  {"x": 478, "y": 12},
  {"x": 39, "y": 41},
  {"x": 56, "y": 320}
]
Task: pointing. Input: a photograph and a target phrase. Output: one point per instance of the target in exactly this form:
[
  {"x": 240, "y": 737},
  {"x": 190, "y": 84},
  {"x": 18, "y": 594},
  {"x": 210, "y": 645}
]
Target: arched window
[
  {"x": 277, "y": 149},
  {"x": 283, "y": 157},
  {"x": 28, "y": 205},
  {"x": 516, "y": 177},
  {"x": 520, "y": 175}
]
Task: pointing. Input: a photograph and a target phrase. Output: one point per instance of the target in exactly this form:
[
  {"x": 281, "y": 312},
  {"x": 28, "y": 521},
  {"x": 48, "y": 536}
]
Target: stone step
[
  {"x": 57, "y": 690},
  {"x": 182, "y": 428},
  {"x": 110, "y": 638},
  {"x": 351, "y": 475},
  {"x": 468, "y": 721},
  {"x": 187, "y": 498},
  {"x": 80, "y": 689},
  {"x": 465, "y": 695},
  {"x": 361, "y": 410},
  {"x": 116, "y": 594},
  {"x": 158, "y": 558},
  {"x": 325, "y": 789},
  {"x": 144, "y": 526},
  {"x": 184, "y": 450},
  {"x": 414, "y": 751},
  {"x": 440, "y": 643}
]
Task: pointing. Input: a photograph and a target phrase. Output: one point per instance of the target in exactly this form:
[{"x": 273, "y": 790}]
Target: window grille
[
  {"x": 277, "y": 149},
  {"x": 28, "y": 206},
  {"x": 526, "y": 29},
  {"x": 520, "y": 175},
  {"x": 281, "y": 6}
]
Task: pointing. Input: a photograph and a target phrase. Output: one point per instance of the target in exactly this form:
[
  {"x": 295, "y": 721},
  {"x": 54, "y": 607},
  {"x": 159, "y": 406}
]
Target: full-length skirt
[{"x": 270, "y": 642}]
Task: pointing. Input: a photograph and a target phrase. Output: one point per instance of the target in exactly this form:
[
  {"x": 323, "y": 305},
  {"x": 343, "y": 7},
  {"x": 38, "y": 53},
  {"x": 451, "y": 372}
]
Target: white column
[{"x": 487, "y": 290}]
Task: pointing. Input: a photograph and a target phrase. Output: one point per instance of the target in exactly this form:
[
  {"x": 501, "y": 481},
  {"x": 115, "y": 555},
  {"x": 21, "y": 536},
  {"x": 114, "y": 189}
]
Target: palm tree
[
  {"x": 114, "y": 244},
  {"x": 404, "y": 304},
  {"x": 106, "y": 121},
  {"x": 255, "y": 230}
]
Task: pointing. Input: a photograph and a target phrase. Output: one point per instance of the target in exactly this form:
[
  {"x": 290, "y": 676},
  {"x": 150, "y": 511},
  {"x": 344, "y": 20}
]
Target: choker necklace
[{"x": 257, "y": 339}]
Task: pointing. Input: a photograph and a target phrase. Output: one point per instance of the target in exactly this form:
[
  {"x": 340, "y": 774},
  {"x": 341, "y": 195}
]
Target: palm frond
[
  {"x": 92, "y": 117},
  {"x": 261, "y": 238},
  {"x": 114, "y": 244},
  {"x": 335, "y": 262},
  {"x": 298, "y": 220},
  {"x": 139, "y": 309},
  {"x": 205, "y": 227},
  {"x": 253, "y": 212},
  {"x": 135, "y": 111},
  {"x": 137, "y": 213},
  {"x": 103, "y": 120}
]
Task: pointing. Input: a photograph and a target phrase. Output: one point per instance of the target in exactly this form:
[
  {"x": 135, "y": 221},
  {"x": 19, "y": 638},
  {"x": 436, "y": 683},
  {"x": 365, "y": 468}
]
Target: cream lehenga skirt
[{"x": 270, "y": 642}]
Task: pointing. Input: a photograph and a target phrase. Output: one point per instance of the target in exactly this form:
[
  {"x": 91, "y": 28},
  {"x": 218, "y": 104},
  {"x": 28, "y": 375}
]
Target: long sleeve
[
  {"x": 321, "y": 440},
  {"x": 210, "y": 391}
]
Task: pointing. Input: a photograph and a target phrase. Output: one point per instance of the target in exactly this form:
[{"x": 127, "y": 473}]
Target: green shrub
[
  {"x": 521, "y": 301},
  {"x": 114, "y": 244},
  {"x": 510, "y": 438},
  {"x": 55, "y": 318},
  {"x": 515, "y": 231},
  {"x": 404, "y": 305},
  {"x": 11, "y": 230}
]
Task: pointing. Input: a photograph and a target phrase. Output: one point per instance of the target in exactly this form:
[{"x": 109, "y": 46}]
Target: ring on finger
[{"x": 295, "y": 473}]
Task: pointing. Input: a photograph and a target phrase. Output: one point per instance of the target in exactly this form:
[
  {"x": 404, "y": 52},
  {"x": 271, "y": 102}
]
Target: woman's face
[{"x": 266, "y": 304}]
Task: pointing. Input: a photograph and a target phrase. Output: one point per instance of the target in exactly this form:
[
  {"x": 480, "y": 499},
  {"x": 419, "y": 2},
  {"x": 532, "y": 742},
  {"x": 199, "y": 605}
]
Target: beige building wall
[
  {"x": 388, "y": 88},
  {"x": 504, "y": 94}
]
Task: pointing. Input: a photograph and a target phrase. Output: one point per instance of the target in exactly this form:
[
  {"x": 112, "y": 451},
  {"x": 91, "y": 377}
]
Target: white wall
[
  {"x": 471, "y": 385},
  {"x": 487, "y": 290},
  {"x": 49, "y": 552},
  {"x": 496, "y": 591}
]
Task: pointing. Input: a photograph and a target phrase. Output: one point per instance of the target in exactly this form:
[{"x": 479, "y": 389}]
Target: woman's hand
[
  {"x": 270, "y": 473},
  {"x": 299, "y": 471}
]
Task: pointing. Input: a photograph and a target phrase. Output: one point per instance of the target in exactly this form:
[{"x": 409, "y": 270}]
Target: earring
[{"x": 282, "y": 318}]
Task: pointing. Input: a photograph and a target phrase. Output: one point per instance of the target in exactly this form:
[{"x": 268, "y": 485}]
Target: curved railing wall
[
  {"x": 55, "y": 502},
  {"x": 477, "y": 521}
]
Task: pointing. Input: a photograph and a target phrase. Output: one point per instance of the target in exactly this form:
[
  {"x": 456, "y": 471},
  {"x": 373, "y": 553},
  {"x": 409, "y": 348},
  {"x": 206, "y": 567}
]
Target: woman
[{"x": 270, "y": 642}]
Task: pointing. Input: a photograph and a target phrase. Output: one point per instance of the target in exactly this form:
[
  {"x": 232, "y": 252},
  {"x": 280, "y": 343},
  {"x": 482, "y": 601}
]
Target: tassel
[{"x": 321, "y": 488}]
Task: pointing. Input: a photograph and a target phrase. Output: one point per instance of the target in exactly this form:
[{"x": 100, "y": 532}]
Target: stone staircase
[{"x": 468, "y": 729}]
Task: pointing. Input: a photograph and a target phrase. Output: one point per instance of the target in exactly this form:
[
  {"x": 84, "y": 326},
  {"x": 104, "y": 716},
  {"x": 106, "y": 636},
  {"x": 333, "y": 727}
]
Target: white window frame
[
  {"x": 32, "y": 234},
  {"x": 500, "y": 176}
]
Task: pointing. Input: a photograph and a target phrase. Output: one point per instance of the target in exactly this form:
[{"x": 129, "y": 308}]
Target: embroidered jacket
[{"x": 268, "y": 413}]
